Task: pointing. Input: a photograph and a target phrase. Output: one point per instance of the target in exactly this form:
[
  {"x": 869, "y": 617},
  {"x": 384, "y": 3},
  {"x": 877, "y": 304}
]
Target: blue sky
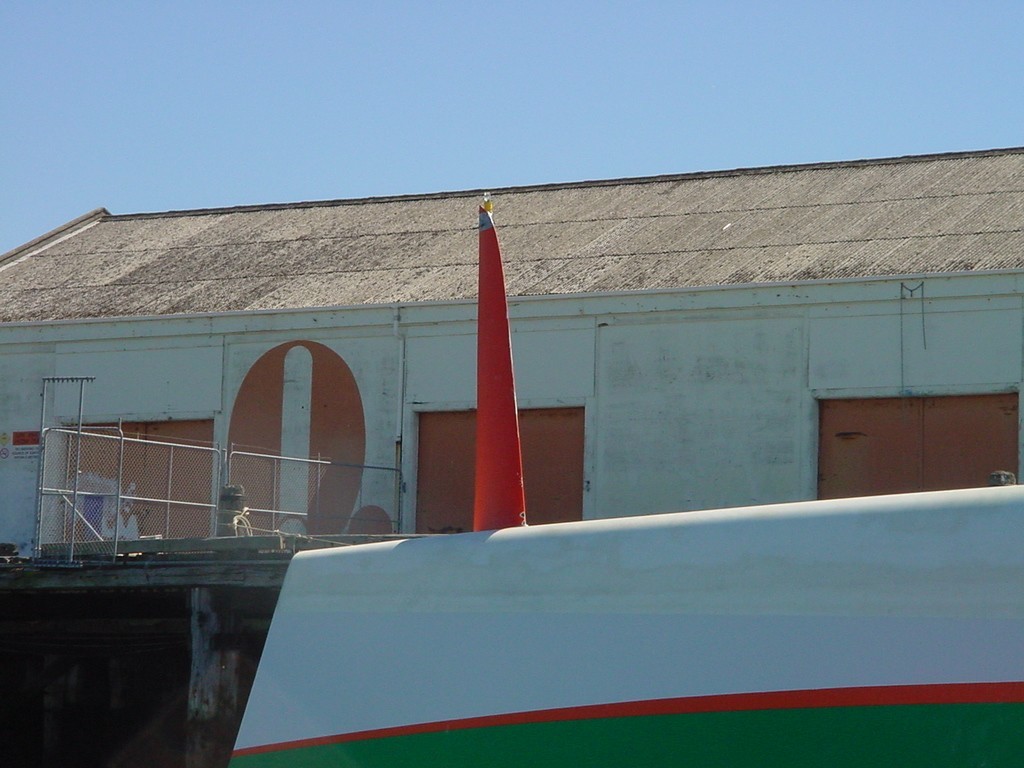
[{"x": 147, "y": 106}]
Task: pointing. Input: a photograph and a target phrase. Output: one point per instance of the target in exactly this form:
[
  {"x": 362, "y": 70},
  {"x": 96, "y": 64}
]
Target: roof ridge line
[
  {"x": 86, "y": 218},
  {"x": 528, "y": 188}
]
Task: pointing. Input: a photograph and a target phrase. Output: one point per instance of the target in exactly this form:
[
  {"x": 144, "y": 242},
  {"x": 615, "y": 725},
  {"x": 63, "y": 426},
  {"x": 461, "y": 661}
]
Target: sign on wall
[{"x": 19, "y": 444}]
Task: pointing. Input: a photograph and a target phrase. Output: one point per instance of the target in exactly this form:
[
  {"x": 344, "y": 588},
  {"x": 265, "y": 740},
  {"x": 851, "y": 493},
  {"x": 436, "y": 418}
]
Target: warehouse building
[{"x": 681, "y": 342}]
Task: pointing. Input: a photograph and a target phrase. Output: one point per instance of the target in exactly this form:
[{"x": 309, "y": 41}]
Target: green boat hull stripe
[
  {"x": 908, "y": 736},
  {"x": 915, "y": 706}
]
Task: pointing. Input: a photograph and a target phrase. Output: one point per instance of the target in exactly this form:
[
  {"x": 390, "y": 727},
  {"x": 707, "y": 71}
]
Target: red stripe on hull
[{"x": 869, "y": 696}]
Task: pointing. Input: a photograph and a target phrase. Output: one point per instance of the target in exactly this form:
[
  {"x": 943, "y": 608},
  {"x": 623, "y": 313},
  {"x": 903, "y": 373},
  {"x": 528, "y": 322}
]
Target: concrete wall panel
[
  {"x": 550, "y": 365},
  {"x": 854, "y": 352},
  {"x": 948, "y": 344},
  {"x": 693, "y": 399},
  {"x": 141, "y": 381},
  {"x": 20, "y": 386},
  {"x": 699, "y": 415},
  {"x": 441, "y": 369}
]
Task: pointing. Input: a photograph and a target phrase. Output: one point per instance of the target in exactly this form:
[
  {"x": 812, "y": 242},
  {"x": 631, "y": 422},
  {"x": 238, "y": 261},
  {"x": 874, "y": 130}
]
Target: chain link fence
[
  {"x": 97, "y": 489},
  {"x": 309, "y": 496}
]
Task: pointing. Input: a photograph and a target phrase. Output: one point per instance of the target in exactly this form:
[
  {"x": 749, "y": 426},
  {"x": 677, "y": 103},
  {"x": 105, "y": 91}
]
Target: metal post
[
  {"x": 120, "y": 482},
  {"x": 78, "y": 470},
  {"x": 320, "y": 469},
  {"x": 170, "y": 475},
  {"x": 275, "y": 490},
  {"x": 219, "y": 478},
  {"x": 47, "y": 380},
  {"x": 39, "y": 474},
  {"x": 396, "y": 523}
]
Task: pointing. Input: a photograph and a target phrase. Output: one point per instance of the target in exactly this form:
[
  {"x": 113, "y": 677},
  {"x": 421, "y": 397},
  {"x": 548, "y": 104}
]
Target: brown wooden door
[
  {"x": 898, "y": 445},
  {"x": 552, "y": 440}
]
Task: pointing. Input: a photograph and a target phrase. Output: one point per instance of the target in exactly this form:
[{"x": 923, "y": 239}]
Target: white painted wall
[
  {"x": 153, "y": 381},
  {"x": 296, "y": 414},
  {"x": 695, "y": 399},
  {"x": 699, "y": 413},
  {"x": 20, "y": 403},
  {"x": 553, "y": 361},
  {"x": 949, "y": 342}
]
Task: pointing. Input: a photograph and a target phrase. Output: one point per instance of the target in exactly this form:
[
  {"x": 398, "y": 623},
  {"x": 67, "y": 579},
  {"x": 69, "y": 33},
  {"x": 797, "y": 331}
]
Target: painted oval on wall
[{"x": 300, "y": 399}]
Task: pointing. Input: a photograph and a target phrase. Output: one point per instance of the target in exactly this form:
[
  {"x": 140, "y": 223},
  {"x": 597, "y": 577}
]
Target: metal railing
[
  {"x": 282, "y": 493},
  {"x": 97, "y": 489}
]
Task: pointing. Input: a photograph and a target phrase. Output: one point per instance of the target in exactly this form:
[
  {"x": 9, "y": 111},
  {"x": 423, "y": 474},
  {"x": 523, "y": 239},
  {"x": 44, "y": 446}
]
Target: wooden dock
[{"x": 145, "y": 658}]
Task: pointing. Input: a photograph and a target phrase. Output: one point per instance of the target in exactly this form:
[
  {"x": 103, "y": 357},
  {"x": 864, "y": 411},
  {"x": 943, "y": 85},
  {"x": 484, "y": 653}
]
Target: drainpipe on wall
[{"x": 399, "y": 523}]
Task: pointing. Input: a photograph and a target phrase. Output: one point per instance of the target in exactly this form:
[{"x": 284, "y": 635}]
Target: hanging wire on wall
[{"x": 910, "y": 292}]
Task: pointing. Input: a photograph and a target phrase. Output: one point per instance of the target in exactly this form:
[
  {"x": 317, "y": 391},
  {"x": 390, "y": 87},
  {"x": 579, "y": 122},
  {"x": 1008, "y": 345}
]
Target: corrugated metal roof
[{"x": 912, "y": 215}]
